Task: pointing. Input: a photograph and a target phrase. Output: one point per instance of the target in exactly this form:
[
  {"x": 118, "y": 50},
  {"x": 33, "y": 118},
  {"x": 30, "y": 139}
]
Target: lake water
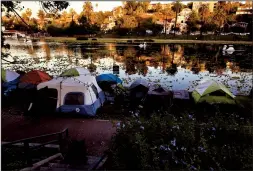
[{"x": 175, "y": 66}]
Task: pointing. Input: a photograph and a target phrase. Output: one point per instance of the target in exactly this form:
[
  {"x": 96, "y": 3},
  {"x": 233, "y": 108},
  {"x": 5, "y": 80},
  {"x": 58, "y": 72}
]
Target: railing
[{"x": 26, "y": 141}]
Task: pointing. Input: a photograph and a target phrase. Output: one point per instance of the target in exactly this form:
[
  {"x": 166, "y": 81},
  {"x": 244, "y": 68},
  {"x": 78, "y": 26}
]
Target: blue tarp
[
  {"x": 9, "y": 86},
  {"x": 109, "y": 78}
]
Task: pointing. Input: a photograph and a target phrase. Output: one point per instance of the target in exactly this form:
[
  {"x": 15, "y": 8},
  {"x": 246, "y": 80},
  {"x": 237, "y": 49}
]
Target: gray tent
[
  {"x": 138, "y": 91},
  {"x": 139, "y": 82},
  {"x": 158, "y": 90}
]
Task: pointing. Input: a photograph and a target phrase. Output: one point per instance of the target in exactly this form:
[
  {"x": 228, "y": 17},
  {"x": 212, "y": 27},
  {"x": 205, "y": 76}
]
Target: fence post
[{"x": 27, "y": 152}]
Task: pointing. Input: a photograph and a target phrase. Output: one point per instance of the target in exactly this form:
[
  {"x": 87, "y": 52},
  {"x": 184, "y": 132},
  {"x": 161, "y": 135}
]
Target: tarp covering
[
  {"x": 35, "y": 77},
  {"x": 81, "y": 88},
  {"x": 208, "y": 90},
  {"x": 8, "y": 75},
  {"x": 109, "y": 78},
  {"x": 139, "y": 82},
  {"x": 73, "y": 72}
]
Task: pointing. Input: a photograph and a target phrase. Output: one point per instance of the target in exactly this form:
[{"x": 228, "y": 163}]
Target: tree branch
[{"x": 20, "y": 18}]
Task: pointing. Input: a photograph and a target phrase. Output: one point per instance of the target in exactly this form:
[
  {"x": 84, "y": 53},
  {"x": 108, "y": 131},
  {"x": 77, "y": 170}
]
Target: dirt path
[{"x": 97, "y": 133}]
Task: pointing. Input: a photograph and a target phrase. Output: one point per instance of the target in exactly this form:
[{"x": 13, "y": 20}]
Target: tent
[
  {"x": 73, "y": 72},
  {"x": 212, "y": 92},
  {"x": 10, "y": 80},
  {"x": 158, "y": 97},
  {"x": 158, "y": 90},
  {"x": 111, "y": 78},
  {"x": 139, "y": 83},
  {"x": 33, "y": 78},
  {"x": 76, "y": 94},
  {"x": 108, "y": 83},
  {"x": 8, "y": 75},
  {"x": 138, "y": 91}
]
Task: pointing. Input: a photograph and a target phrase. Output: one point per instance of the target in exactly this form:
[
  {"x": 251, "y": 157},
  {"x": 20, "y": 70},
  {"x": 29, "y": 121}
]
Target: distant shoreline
[{"x": 124, "y": 40}]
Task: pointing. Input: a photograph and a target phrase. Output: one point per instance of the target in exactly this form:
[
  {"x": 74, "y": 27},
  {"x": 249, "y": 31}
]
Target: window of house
[
  {"x": 95, "y": 90},
  {"x": 76, "y": 98}
]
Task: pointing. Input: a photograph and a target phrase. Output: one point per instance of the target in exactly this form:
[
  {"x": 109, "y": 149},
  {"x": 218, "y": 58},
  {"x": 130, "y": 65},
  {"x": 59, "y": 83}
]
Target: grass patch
[{"x": 155, "y": 40}]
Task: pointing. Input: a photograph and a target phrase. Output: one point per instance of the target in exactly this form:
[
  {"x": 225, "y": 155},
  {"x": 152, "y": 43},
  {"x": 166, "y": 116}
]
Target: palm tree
[{"x": 177, "y": 7}]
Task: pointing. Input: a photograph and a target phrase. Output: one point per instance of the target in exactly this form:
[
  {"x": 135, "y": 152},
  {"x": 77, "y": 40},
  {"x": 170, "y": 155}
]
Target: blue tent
[
  {"x": 109, "y": 78},
  {"x": 10, "y": 86}
]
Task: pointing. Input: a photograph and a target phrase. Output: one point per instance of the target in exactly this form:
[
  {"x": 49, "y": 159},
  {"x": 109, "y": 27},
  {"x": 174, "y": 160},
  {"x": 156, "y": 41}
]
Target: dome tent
[
  {"x": 10, "y": 80},
  {"x": 33, "y": 78},
  {"x": 212, "y": 92},
  {"x": 8, "y": 76},
  {"x": 109, "y": 83},
  {"x": 111, "y": 78},
  {"x": 76, "y": 94},
  {"x": 138, "y": 91},
  {"x": 158, "y": 98},
  {"x": 73, "y": 72}
]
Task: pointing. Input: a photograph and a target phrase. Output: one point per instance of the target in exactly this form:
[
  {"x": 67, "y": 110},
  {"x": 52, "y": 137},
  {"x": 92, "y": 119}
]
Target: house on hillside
[
  {"x": 153, "y": 6},
  {"x": 244, "y": 11},
  {"x": 182, "y": 19},
  {"x": 210, "y": 4}
]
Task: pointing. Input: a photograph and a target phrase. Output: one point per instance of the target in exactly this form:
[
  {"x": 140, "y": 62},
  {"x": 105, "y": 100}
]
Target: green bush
[{"x": 181, "y": 142}]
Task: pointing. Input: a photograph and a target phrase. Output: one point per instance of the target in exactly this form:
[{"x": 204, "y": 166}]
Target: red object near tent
[{"x": 35, "y": 77}]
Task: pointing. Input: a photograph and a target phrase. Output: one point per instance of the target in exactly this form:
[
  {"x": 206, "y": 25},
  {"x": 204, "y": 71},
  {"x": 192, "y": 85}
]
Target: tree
[
  {"x": 139, "y": 11},
  {"x": 158, "y": 7},
  {"x": 87, "y": 10},
  {"x": 219, "y": 17},
  {"x": 27, "y": 14},
  {"x": 204, "y": 14},
  {"x": 41, "y": 15},
  {"x": 130, "y": 7},
  {"x": 83, "y": 20},
  {"x": 145, "y": 5},
  {"x": 177, "y": 7},
  {"x": 73, "y": 14},
  {"x": 63, "y": 19},
  {"x": 192, "y": 21},
  {"x": 129, "y": 22},
  {"x": 99, "y": 18},
  {"x": 167, "y": 14}
]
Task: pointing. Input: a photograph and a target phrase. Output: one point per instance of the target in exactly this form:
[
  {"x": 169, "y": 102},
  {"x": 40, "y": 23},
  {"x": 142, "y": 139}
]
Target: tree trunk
[{"x": 175, "y": 21}]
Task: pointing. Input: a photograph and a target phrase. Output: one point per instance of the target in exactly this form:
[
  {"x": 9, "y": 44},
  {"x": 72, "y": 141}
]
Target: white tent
[
  {"x": 8, "y": 75},
  {"x": 79, "y": 94}
]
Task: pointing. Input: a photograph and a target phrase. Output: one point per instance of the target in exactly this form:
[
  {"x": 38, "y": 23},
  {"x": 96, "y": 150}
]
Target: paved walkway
[{"x": 97, "y": 133}]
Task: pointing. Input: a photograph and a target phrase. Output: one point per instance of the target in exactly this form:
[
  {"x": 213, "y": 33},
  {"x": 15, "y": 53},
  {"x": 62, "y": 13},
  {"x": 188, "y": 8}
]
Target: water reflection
[{"x": 174, "y": 66}]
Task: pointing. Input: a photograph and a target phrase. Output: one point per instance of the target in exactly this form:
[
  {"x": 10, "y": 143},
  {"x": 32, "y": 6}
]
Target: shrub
[
  {"x": 181, "y": 142},
  {"x": 82, "y": 38}
]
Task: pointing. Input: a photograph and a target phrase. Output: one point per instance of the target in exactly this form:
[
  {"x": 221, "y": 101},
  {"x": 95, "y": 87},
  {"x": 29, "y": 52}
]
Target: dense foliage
[
  {"x": 181, "y": 141},
  {"x": 133, "y": 18}
]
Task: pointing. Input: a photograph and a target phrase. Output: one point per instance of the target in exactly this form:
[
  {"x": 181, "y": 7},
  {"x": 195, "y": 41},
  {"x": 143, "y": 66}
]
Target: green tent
[
  {"x": 212, "y": 92},
  {"x": 74, "y": 72}
]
